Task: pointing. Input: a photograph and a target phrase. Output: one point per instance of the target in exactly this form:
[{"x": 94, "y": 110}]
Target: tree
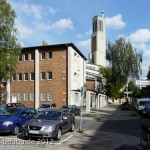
[
  {"x": 124, "y": 63},
  {"x": 148, "y": 87},
  {"x": 9, "y": 47},
  {"x": 148, "y": 74}
]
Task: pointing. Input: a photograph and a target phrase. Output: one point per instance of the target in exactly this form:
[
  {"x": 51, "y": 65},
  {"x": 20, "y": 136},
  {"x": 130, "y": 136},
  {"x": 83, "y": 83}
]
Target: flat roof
[{"x": 57, "y": 45}]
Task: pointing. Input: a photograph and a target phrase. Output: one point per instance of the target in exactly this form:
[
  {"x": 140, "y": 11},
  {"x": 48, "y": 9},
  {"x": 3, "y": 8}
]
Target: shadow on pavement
[{"x": 117, "y": 129}]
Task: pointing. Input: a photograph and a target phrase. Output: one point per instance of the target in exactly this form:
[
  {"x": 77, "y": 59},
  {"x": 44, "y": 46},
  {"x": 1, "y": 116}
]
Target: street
[{"x": 94, "y": 132}]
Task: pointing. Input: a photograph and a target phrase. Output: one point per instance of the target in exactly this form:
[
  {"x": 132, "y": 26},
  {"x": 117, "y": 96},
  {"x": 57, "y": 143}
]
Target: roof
[
  {"x": 144, "y": 99},
  {"x": 57, "y": 45}
]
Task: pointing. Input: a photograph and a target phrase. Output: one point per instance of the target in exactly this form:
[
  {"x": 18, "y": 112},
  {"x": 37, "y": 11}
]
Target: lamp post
[{"x": 83, "y": 90}]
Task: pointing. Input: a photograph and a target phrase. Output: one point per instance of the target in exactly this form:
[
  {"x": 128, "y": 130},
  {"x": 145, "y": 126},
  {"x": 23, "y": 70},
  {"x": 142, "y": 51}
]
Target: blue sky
[{"x": 64, "y": 21}]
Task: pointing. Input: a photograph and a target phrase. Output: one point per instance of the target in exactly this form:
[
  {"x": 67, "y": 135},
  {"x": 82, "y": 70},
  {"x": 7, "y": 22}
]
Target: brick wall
[
  {"x": 57, "y": 85},
  {"x": 90, "y": 85}
]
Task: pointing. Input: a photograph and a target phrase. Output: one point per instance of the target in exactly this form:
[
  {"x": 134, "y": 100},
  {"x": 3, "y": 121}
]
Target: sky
[{"x": 65, "y": 21}]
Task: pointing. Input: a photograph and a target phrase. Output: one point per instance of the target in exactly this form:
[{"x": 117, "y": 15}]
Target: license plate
[{"x": 33, "y": 131}]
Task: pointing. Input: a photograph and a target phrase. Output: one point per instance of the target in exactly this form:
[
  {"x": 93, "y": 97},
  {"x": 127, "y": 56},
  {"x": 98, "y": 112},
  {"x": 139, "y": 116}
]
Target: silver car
[{"x": 49, "y": 124}]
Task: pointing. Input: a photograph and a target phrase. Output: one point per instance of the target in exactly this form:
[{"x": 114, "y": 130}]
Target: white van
[{"x": 142, "y": 102}]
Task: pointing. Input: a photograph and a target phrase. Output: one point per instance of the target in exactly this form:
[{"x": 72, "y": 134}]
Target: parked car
[
  {"x": 46, "y": 106},
  {"x": 12, "y": 118},
  {"x": 15, "y": 105},
  {"x": 49, "y": 123},
  {"x": 72, "y": 108},
  {"x": 146, "y": 111}
]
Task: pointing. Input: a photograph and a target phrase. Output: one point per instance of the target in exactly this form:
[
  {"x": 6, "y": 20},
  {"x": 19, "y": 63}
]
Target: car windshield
[
  {"x": 147, "y": 107},
  {"x": 143, "y": 103},
  {"x": 45, "y": 106},
  {"x": 9, "y": 111},
  {"x": 48, "y": 115},
  {"x": 66, "y": 107}
]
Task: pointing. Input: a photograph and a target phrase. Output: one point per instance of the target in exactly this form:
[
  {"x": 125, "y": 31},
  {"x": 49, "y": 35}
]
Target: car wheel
[
  {"x": 58, "y": 136},
  {"x": 72, "y": 127},
  {"x": 16, "y": 130}
]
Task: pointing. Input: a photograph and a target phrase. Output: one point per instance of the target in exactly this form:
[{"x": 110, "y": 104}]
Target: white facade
[
  {"x": 76, "y": 76},
  {"x": 142, "y": 83},
  {"x": 92, "y": 71}
]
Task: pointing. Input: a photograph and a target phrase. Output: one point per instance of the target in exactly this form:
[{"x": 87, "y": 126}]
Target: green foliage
[
  {"x": 124, "y": 64},
  {"x": 148, "y": 74},
  {"x": 135, "y": 90},
  {"x": 9, "y": 48}
]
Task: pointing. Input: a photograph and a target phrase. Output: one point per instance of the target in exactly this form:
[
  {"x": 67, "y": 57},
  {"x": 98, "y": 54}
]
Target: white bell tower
[{"x": 98, "y": 41}]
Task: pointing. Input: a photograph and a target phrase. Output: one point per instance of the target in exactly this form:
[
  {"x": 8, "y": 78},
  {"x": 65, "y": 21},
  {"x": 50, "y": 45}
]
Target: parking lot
[{"x": 10, "y": 142}]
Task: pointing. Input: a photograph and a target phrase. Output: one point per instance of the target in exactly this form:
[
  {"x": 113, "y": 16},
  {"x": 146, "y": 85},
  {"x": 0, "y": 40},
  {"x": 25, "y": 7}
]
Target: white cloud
[
  {"x": 140, "y": 36},
  {"x": 147, "y": 54},
  {"x": 86, "y": 44},
  {"x": 62, "y": 24},
  {"x": 79, "y": 36},
  {"x": 89, "y": 33},
  {"x": 59, "y": 26},
  {"x": 23, "y": 30},
  {"x": 115, "y": 22},
  {"x": 33, "y": 10}
]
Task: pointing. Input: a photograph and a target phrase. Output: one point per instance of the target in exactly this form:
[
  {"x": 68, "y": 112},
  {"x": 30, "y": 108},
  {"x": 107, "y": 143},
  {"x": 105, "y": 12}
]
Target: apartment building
[{"x": 48, "y": 74}]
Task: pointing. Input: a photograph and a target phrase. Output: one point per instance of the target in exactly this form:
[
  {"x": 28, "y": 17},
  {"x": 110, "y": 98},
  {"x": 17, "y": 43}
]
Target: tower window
[{"x": 101, "y": 25}]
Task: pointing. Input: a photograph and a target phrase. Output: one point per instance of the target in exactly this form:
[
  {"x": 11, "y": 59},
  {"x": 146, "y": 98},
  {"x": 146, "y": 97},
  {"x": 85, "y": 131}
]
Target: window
[
  {"x": 19, "y": 76},
  {"x": 76, "y": 96},
  {"x": 43, "y": 55},
  {"x": 101, "y": 25},
  {"x": 32, "y": 56},
  {"x": 49, "y": 96},
  {"x": 20, "y": 57},
  {"x": 32, "y": 112},
  {"x": 43, "y": 96},
  {"x": 49, "y": 55},
  {"x": 32, "y": 76},
  {"x": 43, "y": 75},
  {"x": 25, "y": 95},
  {"x": 25, "y": 76},
  {"x": 19, "y": 97},
  {"x": 75, "y": 76},
  {"x": 31, "y": 96},
  {"x": 14, "y": 77},
  {"x": 49, "y": 75},
  {"x": 25, "y": 57},
  {"x": 75, "y": 56}
]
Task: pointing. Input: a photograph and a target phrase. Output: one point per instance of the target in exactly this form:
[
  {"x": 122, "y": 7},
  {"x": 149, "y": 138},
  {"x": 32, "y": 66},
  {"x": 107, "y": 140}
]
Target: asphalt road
[{"x": 128, "y": 127}]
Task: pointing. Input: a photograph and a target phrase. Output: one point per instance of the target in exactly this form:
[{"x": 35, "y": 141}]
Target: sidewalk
[{"x": 98, "y": 140}]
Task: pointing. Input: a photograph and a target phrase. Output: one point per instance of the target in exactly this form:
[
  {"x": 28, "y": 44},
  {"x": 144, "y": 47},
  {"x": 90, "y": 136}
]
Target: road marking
[{"x": 8, "y": 138}]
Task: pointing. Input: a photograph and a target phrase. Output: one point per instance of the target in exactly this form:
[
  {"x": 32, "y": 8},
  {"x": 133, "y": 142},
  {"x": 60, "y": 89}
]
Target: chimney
[{"x": 44, "y": 43}]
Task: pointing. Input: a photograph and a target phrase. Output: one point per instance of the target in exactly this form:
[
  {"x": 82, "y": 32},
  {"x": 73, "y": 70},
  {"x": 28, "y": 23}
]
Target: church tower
[{"x": 98, "y": 41}]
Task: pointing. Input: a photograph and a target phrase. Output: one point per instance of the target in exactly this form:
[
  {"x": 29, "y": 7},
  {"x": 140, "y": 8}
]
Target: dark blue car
[{"x": 11, "y": 119}]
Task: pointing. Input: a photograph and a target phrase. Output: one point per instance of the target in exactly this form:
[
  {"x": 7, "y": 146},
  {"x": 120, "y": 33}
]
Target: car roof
[
  {"x": 20, "y": 108},
  {"x": 47, "y": 109},
  {"x": 144, "y": 99}
]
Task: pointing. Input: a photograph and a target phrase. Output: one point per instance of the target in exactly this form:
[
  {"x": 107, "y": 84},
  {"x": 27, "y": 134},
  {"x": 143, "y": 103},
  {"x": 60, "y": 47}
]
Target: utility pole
[{"x": 83, "y": 89}]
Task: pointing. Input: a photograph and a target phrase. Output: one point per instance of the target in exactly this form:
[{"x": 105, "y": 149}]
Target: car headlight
[
  {"x": 7, "y": 123},
  {"x": 50, "y": 128}
]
